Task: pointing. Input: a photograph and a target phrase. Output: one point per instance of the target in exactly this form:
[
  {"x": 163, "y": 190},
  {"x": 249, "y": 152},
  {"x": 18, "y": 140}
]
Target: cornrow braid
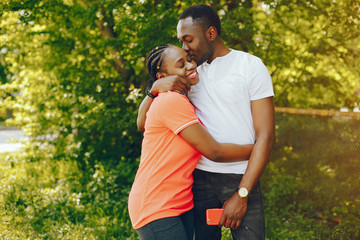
[{"x": 154, "y": 62}]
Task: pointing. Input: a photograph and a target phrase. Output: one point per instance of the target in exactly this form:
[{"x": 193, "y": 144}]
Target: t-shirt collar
[{"x": 219, "y": 58}]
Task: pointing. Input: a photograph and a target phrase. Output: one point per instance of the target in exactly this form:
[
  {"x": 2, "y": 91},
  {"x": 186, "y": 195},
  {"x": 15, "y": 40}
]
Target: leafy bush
[
  {"x": 45, "y": 199},
  {"x": 72, "y": 72},
  {"x": 311, "y": 185}
]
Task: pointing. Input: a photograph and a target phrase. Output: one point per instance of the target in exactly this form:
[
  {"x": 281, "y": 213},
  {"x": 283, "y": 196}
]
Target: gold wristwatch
[{"x": 243, "y": 192}]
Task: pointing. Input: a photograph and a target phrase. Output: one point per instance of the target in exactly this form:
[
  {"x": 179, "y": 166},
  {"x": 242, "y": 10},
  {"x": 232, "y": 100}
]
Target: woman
[{"x": 160, "y": 201}]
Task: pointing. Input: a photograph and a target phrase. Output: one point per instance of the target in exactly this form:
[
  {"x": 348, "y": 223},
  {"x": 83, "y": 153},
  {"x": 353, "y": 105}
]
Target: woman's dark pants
[{"x": 174, "y": 228}]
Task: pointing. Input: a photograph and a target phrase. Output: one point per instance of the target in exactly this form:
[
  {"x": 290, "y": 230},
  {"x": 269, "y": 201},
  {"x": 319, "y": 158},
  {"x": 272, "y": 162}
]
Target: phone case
[{"x": 213, "y": 216}]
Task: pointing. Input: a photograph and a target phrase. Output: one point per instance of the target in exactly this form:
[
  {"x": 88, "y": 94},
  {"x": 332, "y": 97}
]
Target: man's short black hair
[{"x": 204, "y": 15}]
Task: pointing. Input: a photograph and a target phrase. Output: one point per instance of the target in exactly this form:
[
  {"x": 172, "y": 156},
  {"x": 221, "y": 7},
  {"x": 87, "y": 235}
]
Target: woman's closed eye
[
  {"x": 188, "y": 58},
  {"x": 181, "y": 64}
]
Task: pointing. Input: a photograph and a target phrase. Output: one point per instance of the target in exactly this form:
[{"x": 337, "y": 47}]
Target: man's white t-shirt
[{"x": 222, "y": 99}]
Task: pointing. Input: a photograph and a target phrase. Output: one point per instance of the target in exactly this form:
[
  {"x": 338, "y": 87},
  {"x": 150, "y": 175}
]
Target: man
[{"x": 234, "y": 100}]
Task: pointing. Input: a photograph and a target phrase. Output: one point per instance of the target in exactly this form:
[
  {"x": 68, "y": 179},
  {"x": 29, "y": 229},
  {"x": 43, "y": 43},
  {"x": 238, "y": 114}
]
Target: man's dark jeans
[{"x": 211, "y": 190}]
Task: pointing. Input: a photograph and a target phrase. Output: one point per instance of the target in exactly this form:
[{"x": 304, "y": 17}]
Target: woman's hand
[{"x": 200, "y": 139}]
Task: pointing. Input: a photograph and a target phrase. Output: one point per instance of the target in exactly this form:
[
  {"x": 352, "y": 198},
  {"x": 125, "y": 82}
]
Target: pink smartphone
[{"x": 213, "y": 216}]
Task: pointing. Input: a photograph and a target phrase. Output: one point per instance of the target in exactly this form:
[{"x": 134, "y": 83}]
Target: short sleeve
[
  {"x": 176, "y": 112},
  {"x": 260, "y": 81}
]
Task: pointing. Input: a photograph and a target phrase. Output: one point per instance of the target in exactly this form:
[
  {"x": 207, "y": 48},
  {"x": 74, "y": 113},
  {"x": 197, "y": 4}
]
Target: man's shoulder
[{"x": 244, "y": 55}]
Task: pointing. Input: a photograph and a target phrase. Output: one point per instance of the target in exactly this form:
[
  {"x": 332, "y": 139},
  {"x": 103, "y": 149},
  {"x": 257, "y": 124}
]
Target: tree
[
  {"x": 73, "y": 71},
  {"x": 310, "y": 48},
  {"x": 80, "y": 65}
]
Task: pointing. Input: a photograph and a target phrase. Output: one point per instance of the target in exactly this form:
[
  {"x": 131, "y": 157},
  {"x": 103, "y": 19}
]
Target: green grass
[
  {"x": 45, "y": 200},
  {"x": 310, "y": 191}
]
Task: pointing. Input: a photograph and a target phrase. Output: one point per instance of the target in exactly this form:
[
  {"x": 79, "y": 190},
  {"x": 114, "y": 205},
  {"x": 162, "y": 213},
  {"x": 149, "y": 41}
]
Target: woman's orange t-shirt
[{"x": 162, "y": 186}]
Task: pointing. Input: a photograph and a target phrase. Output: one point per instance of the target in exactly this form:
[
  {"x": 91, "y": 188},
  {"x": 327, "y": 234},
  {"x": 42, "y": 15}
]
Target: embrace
[{"x": 208, "y": 121}]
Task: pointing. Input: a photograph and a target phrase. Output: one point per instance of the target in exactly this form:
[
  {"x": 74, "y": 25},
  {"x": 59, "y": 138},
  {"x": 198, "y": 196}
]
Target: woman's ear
[{"x": 160, "y": 75}]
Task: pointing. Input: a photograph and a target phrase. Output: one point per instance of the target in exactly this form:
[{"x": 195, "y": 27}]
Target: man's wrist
[{"x": 243, "y": 192}]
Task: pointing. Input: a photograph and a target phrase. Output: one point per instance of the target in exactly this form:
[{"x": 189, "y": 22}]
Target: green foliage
[
  {"x": 311, "y": 186},
  {"x": 3, "y": 115},
  {"x": 310, "y": 191},
  {"x": 45, "y": 200},
  {"x": 311, "y": 50},
  {"x": 73, "y": 73},
  {"x": 70, "y": 82},
  {"x": 77, "y": 75}
]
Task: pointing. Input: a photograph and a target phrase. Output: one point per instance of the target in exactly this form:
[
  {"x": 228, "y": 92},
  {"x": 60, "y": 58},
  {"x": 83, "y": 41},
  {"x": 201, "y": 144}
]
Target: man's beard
[{"x": 206, "y": 56}]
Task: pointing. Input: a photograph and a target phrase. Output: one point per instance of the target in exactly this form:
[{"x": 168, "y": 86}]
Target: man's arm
[
  {"x": 264, "y": 123},
  {"x": 169, "y": 83}
]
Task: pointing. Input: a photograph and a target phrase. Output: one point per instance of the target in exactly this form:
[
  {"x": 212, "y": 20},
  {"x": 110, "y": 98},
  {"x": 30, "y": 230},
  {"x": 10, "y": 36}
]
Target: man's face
[{"x": 194, "y": 40}]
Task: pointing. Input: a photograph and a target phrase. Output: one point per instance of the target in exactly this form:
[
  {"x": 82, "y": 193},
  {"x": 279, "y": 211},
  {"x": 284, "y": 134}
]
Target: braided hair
[{"x": 154, "y": 62}]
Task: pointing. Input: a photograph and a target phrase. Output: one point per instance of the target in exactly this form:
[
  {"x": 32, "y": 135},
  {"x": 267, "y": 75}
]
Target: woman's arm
[
  {"x": 201, "y": 140},
  {"x": 169, "y": 83},
  {"x": 141, "y": 118}
]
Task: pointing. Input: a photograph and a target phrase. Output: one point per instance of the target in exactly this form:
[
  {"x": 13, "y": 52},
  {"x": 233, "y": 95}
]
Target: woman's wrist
[{"x": 150, "y": 93}]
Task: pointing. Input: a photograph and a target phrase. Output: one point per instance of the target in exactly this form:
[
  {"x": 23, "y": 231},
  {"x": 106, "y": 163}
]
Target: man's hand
[
  {"x": 170, "y": 83},
  {"x": 234, "y": 211}
]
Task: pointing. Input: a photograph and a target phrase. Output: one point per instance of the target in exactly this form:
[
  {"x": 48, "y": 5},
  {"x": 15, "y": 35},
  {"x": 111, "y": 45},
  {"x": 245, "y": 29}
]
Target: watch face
[{"x": 243, "y": 192}]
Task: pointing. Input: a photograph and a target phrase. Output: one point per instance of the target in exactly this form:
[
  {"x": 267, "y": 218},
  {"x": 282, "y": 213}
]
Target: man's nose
[{"x": 185, "y": 46}]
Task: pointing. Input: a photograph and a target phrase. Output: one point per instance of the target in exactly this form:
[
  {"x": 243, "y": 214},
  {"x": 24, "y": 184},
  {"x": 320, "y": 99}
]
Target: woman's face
[{"x": 178, "y": 62}]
